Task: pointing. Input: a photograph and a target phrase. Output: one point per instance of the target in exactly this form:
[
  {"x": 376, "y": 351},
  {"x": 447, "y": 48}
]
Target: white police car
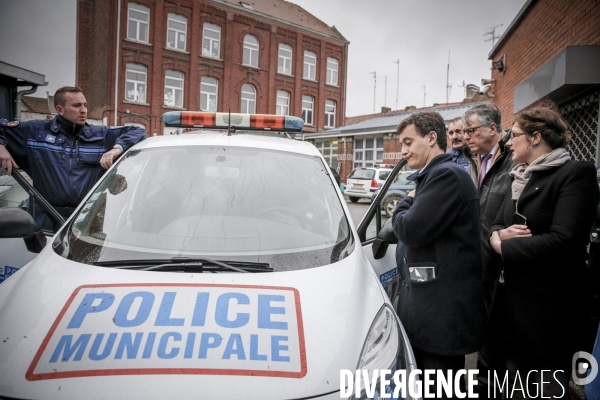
[{"x": 202, "y": 266}]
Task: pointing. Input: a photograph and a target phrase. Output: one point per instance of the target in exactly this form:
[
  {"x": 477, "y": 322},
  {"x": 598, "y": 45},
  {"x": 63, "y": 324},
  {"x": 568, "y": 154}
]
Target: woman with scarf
[{"x": 541, "y": 233}]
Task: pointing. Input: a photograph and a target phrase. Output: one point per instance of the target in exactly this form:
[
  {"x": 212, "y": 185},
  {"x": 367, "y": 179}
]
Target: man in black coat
[
  {"x": 489, "y": 170},
  {"x": 439, "y": 255}
]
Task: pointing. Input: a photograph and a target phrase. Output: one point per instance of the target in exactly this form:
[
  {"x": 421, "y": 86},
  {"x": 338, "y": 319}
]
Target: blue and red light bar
[{"x": 220, "y": 120}]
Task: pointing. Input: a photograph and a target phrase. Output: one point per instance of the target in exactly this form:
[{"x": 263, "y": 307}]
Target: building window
[
  {"x": 209, "y": 89},
  {"x": 284, "y": 62},
  {"x": 368, "y": 152},
  {"x": 138, "y": 19},
  {"x": 176, "y": 31},
  {"x": 310, "y": 65},
  {"x": 135, "y": 82},
  {"x": 329, "y": 150},
  {"x": 308, "y": 105},
  {"x": 211, "y": 39},
  {"x": 248, "y": 99},
  {"x": 332, "y": 71},
  {"x": 283, "y": 103},
  {"x": 250, "y": 51},
  {"x": 174, "y": 89},
  {"x": 329, "y": 114}
]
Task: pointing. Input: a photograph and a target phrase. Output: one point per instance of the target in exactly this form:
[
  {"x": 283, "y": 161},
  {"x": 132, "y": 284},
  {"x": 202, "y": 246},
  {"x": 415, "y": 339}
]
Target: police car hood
[{"x": 70, "y": 330}]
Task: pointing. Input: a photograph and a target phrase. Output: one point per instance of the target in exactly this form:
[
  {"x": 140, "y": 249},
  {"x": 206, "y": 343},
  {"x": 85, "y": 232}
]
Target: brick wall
[
  {"x": 96, "y": 61},
  {"x": 545, "y": 29}
]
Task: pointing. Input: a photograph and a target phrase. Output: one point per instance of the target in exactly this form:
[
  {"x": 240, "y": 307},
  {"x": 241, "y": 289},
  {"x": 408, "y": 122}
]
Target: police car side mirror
[
  {"x": 17, "y": 223},
  {"x": 385, "y": 237}
]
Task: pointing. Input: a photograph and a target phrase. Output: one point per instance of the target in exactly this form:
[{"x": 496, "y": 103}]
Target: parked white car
[
  {"x": 202, "y": 265},
  {"x": 363, "y": 182}
]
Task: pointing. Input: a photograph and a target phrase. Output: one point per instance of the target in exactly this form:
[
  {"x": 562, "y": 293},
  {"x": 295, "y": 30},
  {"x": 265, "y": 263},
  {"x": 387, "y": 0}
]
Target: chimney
[
  {"x": 385, "y": 110},
  {"x": 409, "y": 108},
  {"x": 472, "y": 90}
]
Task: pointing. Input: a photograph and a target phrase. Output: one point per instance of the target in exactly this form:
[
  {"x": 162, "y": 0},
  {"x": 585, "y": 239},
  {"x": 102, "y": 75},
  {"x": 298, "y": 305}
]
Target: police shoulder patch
[{"x": 13, "y": 124}]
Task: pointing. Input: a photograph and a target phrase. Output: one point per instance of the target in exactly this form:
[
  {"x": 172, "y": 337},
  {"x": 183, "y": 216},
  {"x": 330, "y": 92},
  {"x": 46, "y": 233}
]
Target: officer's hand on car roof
[
  {"x": 109, "y": 157},
  {"x": 6, "y": 160}
]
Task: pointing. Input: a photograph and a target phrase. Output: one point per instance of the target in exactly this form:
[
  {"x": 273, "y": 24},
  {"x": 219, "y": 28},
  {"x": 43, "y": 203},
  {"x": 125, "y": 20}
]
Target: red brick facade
[
  {"x": 545, "y": 28},
  {"x": 96, "y": 52}
]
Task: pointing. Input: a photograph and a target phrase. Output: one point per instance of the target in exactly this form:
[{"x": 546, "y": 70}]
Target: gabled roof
[
  {"x": 389, "y": 122},
  {"x": 287, "y": 12},
  {"x": 37, "y": 104}
]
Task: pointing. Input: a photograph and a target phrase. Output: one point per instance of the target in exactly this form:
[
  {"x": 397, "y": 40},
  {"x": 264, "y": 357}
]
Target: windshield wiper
[{"x": 186, "y": 264}]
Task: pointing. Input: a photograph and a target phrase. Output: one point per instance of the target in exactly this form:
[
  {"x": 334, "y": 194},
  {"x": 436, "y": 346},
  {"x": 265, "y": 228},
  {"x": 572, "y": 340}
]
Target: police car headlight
[{"x": 383, "y": 349}]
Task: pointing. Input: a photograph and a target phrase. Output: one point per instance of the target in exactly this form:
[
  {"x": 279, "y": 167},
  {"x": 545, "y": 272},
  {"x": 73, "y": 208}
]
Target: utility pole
[
  {"x": 385, "y": 91},
  {"x": 397, "y": 81},
  {"x": 424, "y": 95},
  {"x": 374, "y": 73},
  {"x": 448, "y": 85},
  {"x": 492, "y": 32}
]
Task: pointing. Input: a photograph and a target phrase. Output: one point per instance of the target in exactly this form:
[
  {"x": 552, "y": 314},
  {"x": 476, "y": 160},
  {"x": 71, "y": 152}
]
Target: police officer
[{"x": 65, "y": 156}]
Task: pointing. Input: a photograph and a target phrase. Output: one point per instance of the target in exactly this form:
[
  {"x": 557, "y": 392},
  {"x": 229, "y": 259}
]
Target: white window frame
[
  {"x": 248, "y": 99},
  {"x": 330, "y": 107},
  {"x": 136, "y": 95},
  {"x": 177, "y": 32},
  {"x": 368, "y": 151},
  {"x": 329, "y": 151},
  {"x": 332, "y": 71},
  {"x": 308, "y": 109},
  {"x": 310, "y": 69},
  {"x": 284, "y": 59},
  {"x": 138, "y": 22},
  {"x": 211, "y": 96},
  {"x": 283, "y": 103},
  {"x": 251, "y": 49},
  {"x": 212, "y": 42},
  {"x": 174, "y": 89}
]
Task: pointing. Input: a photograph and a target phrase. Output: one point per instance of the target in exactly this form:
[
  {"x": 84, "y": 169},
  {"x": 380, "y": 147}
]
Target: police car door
[
  {"x": 15, "y": 191},
  {"x": 378, "y": 239}
]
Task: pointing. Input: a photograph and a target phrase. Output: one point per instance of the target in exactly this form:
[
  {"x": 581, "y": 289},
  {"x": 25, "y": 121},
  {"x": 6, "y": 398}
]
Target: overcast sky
[{"x": 39, "y": 35}]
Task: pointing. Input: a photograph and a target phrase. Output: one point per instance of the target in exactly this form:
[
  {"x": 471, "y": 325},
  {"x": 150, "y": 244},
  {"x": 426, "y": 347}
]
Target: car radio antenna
[{"x": 229, "y": 130}]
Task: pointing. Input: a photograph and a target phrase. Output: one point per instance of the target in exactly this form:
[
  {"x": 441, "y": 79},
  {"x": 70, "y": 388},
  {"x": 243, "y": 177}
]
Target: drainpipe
[
  {"x": 117, "y": 59},
  {"x": 345, "y": 84},
  {"x": 18, "y": 100}
]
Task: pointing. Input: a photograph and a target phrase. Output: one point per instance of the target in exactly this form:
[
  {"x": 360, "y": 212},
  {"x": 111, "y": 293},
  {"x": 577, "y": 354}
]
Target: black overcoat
[
  {"x": 440, "y": 226},
  {"x": 546, "y": 275}
]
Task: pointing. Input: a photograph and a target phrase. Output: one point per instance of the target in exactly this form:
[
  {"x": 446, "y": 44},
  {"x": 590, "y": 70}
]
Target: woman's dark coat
[{"x": 546, "y": 275}]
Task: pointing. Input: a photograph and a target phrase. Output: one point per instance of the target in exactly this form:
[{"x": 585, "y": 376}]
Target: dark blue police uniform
[{"x": 61, "y": 157}]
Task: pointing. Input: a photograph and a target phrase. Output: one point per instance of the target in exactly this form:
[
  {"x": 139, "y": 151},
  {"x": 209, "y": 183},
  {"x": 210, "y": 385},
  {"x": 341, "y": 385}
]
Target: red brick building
[
  {"x": 146, "y": 57},
  {"x": 551, "y": 50}
]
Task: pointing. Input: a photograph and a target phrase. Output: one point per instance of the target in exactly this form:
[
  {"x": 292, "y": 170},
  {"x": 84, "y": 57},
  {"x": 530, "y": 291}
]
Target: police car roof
[{"x": 212, "y": 138}]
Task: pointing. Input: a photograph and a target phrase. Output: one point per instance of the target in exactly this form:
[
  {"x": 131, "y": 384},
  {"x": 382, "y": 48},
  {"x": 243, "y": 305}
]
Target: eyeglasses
[
  {"x": 457, "y": 131},
  {"x": 514, "y": 134},
  {"x": 470, "y": 131}
]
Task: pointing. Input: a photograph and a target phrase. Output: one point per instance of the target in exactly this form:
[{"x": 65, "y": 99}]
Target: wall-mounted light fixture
[{"x": 500, "y": 64}]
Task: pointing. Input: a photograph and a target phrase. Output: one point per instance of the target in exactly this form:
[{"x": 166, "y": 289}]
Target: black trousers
[
  {"x": 498, "y": 358},
  {"x": 432, "y": 361}
]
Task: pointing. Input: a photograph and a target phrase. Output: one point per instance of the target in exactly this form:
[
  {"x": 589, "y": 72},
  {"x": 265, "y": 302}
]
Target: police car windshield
[{"x": 224, "y": 203}]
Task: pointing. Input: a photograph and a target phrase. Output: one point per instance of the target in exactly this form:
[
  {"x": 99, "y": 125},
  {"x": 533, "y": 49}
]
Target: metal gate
[{"x": 582, "y": 115}]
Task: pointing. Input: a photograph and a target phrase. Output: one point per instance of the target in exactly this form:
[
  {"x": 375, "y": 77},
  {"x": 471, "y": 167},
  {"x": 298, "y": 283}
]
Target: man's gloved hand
[
  {"x": 109, "y": 157},
  {"x": 6, "y": 160}
]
